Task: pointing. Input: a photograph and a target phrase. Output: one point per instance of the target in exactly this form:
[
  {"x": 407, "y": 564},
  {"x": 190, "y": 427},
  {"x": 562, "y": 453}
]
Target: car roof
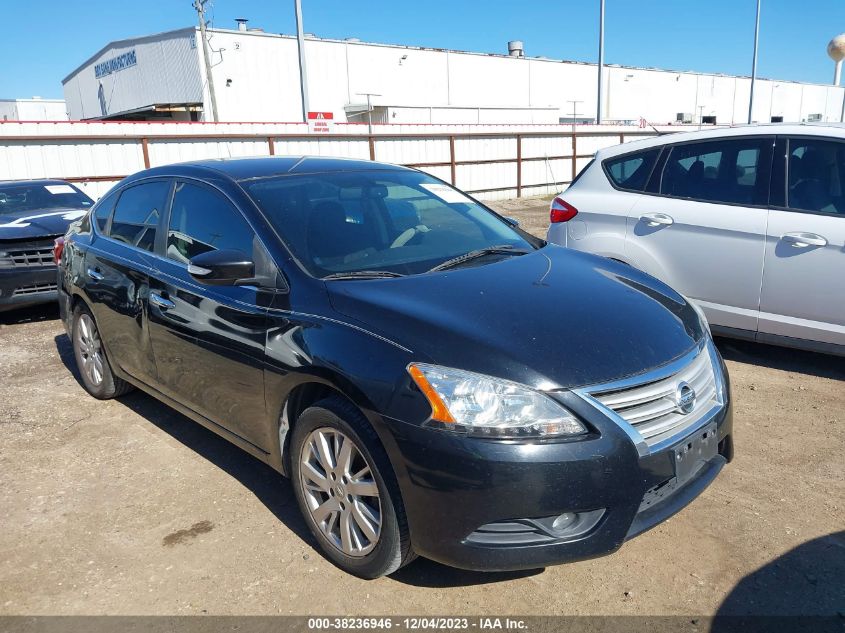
[
  {"x": 835, "y": 130},
  {"x": 266, "y": 166},
  {"x": 35, "y": 181}
]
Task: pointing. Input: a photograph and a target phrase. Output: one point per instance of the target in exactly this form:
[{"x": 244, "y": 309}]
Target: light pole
[
  {"x": 303, "y": 74},
  {"x": 601, "y": 61},
  {"x": 754, "y": 64}
]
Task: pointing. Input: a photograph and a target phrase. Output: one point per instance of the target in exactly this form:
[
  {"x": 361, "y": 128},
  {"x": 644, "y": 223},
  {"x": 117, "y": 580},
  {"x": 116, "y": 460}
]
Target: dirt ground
[{"x": 127, "y": 507}]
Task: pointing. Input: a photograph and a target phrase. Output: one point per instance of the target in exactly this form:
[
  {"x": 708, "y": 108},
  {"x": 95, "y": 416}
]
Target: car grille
[
  {"x": 27, "y": 255},
  {"x": 34, "y": 289},
  {"x": 652, "y": 406}
]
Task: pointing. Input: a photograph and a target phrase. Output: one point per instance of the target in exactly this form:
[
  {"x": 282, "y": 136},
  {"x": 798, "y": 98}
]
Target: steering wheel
[{"x": 408, "y": 234}]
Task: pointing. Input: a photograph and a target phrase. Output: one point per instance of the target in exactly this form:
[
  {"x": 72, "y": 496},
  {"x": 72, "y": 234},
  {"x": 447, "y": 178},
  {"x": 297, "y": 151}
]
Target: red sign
[{"x": 320, "y": 122}]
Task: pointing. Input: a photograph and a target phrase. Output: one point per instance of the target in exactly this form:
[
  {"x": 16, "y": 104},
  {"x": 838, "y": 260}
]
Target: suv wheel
[
  {"x": 347, "y": 491},
  {"x": 97, "y": 376}
]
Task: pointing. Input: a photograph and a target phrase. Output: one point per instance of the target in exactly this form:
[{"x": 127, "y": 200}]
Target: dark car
[
  {"x": 434, "y": 380},
  {"x": 33, "y": 213}
]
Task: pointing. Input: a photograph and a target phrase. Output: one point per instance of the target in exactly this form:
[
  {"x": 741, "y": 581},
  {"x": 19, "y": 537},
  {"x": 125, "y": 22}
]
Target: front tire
[
  {"x": 91, "y": 361},
  {"x": 347, "y": 491}
]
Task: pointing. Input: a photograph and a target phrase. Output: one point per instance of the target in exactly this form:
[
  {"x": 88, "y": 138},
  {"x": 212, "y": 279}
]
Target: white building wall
[
  {"x": 166, "y": 71},
  {"x": 35, "y": 109},
  {"x": 256, "y": 77}
]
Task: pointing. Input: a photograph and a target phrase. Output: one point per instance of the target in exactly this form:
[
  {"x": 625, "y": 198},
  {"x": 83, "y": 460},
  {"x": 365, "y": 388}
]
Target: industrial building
[
  {"x": 33, "y": 109},
  {"x": 255, "y": 78}
]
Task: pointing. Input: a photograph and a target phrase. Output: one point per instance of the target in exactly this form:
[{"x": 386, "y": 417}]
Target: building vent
[
  {"x": 516, "y": 49},
  {"x": 241, "y": 23}
]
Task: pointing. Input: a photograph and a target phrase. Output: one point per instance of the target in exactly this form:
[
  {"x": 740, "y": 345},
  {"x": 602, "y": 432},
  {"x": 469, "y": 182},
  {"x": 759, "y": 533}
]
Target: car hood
[
  {"x": 551, "y": 319},
  {"x": 34, "y": 224}
]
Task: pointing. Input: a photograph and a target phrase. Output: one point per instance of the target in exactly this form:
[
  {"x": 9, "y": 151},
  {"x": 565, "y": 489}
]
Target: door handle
[
  {"x": 95, "y": 274},
  {"x": 803, "y": 240},
  {"x": 161, "y": 302},
  {"x": 656, "y": 219}
]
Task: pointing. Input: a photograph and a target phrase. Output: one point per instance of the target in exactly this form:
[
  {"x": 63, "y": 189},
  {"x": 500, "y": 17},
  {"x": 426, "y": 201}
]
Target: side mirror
[
  {"x": 222, "y": 268},
  {"x": 512, "y": 221}
]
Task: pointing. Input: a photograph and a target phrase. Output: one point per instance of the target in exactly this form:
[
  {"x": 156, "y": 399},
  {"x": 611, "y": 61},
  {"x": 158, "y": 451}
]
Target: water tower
[{"x": 836, "y": 50}]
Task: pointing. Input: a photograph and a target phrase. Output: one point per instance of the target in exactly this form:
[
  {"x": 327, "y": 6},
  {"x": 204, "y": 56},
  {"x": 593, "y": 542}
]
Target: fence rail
[{"x": 489, "y": 164}]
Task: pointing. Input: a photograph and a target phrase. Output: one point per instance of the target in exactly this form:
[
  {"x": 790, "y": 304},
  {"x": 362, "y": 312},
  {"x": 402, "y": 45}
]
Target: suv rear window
[{"x": 631, "y": 171}]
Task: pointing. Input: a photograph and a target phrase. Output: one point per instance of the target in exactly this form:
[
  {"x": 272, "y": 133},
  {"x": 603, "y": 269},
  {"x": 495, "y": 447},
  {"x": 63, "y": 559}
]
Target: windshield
[
  {"x": 18, "y": 198},
  {"x": 402, "y": 222}
]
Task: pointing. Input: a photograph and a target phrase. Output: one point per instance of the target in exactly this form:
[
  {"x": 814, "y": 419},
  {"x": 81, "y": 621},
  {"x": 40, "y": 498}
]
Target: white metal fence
[{"x": 490, "y": 161}]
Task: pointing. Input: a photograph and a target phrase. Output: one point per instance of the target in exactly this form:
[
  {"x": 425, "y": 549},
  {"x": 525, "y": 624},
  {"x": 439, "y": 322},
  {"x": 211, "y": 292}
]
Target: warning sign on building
[{"x": 321, "y": 122}]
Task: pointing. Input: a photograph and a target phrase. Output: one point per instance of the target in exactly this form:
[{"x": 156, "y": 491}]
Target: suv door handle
[
  {"x": 656, "y": 219},
  {"x": 95, "y": 274},
  {"x": 803, "y": 240},
  {"x": 161, "y": 302}
]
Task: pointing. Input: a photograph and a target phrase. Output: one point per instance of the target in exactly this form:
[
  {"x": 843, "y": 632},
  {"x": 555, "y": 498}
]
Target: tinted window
[
  {"x": 399, "y": 221},
  {"x": 137, "y": 213},
  {"x": 203, "y": 220},
  {"x": 816, "y": 175},
  {"x": 632, "y": 170},
  {"x": 732, "y": 171},
  {"x": 103, "y": 210},
  {"x": 16, "y": 198}
]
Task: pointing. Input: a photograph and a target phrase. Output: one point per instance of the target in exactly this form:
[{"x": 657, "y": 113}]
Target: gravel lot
[{"x": 127, "y": 507}]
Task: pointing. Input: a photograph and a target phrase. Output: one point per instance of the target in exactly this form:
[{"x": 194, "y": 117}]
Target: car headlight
[
  {"x": 701, "y": 317},
  {"x": 489, "y": 407}
]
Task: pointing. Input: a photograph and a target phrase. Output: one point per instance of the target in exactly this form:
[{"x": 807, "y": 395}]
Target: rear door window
[
  {"x": 138, "y": 212},
  {"x": 816, "y": 176},
  {"x": 732, "y": 171},
  {"x": 631, "y": 171}
]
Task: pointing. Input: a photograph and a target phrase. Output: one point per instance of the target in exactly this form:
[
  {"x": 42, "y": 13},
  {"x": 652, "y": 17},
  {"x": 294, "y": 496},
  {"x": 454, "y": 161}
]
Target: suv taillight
[
  {"x": 58, "y": 247},
  {"x": 561, "y": 211}
]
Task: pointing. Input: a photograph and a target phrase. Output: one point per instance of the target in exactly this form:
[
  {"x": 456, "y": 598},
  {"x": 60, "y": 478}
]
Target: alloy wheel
[
  {"x": 90, "y": 349},
  {"x": 340, "y": 491}
]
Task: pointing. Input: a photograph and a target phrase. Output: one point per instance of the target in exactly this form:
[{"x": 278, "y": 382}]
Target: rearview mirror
[{"x": 222, "y": 268}]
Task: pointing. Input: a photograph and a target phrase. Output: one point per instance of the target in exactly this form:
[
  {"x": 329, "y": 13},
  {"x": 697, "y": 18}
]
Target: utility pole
[
  {"x": 574, "y": 111},
  {"x": 303, "y": 73},
  {"x": 601, "y": 62},
  {"x": 700, "y": 116},
  {"x": 369, "y": 95},
  {"x": 199, "y": 5},
  {"x": 754, "y": 64}
]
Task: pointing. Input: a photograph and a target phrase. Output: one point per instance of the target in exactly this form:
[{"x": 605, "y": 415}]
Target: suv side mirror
[{"x": 222, "y": 268}]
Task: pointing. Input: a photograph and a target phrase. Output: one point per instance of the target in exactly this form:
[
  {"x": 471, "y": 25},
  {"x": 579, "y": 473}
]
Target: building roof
[{"x": 356, "y": 42}]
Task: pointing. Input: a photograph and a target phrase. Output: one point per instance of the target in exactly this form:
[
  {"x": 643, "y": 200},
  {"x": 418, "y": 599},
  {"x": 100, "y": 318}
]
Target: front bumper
[
  {"x": 20, "y": 287},
  {"x": 453, "y": 485}
]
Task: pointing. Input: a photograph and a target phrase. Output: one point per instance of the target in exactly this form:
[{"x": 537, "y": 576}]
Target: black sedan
[
  {"x": 434, "y": 380},
  {"x": 33, "y": 213}
]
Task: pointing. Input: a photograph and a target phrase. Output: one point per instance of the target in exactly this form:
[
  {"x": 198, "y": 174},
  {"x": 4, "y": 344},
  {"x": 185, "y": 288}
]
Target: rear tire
[
  {"x": 96, "y": 374},
  {"x": 347, "y": 491}
]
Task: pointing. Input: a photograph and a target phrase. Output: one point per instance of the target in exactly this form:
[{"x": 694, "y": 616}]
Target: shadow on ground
[
  {"x": 31, "y": 314},
  {"x": 782, "y": 358},
  {"x": 268, "y": 486},
  {"x": 806, "y": 582}
]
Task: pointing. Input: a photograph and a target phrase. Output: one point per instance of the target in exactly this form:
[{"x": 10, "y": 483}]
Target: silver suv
[{"x": 749, "y": 222}]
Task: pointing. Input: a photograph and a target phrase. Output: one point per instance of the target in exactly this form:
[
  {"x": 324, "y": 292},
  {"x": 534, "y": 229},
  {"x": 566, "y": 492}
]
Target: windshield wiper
[
  {"x": 362, "y": 274},
  {"x": 505, "y": 249}
]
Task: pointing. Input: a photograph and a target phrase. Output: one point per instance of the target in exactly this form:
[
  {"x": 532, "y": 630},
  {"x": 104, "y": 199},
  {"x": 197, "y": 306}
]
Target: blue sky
[{"x": 53, "y": 36}]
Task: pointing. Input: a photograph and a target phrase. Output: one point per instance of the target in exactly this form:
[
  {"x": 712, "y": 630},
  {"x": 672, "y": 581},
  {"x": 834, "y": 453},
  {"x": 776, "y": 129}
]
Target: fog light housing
[{"x": 563, "y": 527}]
